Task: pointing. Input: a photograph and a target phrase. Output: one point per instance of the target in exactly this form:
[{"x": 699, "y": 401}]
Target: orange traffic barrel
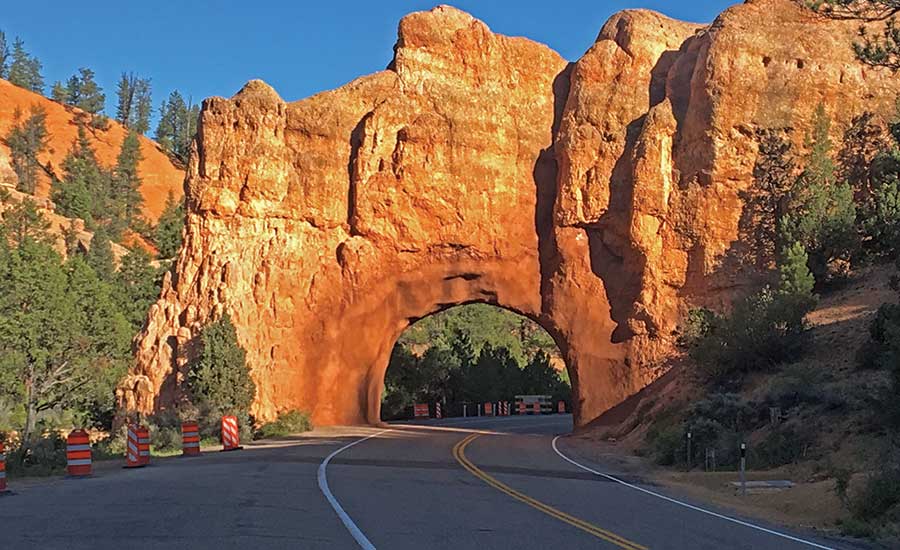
[
  {"x": 133, "y": 452},
  {"x": 536, "y": 407},
  {"x": 78, "y": 454},
  {"x": 231, "y": 438},
  {"x": 561, "y": 407},
  {"x": 190, "y": 439},
  {"x": 522, "y": 407},
  {"x": 3, "y": 488},
  {"x": 143, "y": 434}
]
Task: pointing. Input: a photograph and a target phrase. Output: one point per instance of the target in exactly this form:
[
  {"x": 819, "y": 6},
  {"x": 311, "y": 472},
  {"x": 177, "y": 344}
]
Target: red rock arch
[{"x": 600, "y": 198}]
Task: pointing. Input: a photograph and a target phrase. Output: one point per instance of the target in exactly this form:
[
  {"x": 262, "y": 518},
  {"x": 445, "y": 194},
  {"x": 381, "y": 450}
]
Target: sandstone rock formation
[
  {"x": 158, "y": 175},
  {"x": 600, "y": 199}
]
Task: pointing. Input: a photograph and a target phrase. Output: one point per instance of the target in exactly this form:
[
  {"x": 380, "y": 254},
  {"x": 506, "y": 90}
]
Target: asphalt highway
[{"x": 480, "y": 483}]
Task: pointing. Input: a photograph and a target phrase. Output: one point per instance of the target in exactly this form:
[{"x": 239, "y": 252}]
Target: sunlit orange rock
[{"x": 600, "y": 199}]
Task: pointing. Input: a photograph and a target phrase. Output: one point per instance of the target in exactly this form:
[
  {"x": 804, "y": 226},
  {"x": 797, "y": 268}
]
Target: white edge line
[
  {"x": 685, "y": 504},
  {"x": 355, "y": 531}
]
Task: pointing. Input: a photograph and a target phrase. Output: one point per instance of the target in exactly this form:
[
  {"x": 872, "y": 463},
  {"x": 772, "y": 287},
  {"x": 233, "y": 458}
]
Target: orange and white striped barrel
[
  {"x": 522, "y": 407},
  {"x": 488, "y": 409},
  {"x": 190, "y": 439},
  {"x": 78, "y": 454},
  {"x": 132, "y": 451},
  {"x": 561, "y": 407},
  {"x": 536, "y": 407},
  {"x": 143, "y": 434},
  {"x": 3, "y": 488},
  {"x": 231, "y": 438}
]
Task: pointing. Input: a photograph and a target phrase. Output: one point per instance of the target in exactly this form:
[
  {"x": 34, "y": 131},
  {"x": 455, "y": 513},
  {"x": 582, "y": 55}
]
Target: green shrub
[
  {"x": 784, "y": 445},
  {"x": 286, "y": 424},
  {"x": 764, "y": 330},
  {"x": 879, "y": 495},
  {"x": 667, "y": 445},
  {"x": 852, "y": 527},
  {"x": 46, "y": 455}
]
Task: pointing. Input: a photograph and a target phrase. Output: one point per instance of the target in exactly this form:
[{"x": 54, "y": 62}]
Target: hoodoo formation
[{"x": 600, "y": 198}]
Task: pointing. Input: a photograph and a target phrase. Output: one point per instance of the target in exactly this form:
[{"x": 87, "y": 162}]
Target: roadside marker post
[
  {"x": 437, "y": 410},
  {"x": 689, "y": 450},
  {"x": 3, "y": 488},
  {"x": 231, "y": 437},
  {"x": 190, "y": 439},
  {"x": 78, "y": 454},
  {"x": 743, "y": 469}
]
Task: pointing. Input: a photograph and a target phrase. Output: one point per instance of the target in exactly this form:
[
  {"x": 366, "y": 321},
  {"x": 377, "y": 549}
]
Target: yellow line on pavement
[{"x": 459, "y": 453}]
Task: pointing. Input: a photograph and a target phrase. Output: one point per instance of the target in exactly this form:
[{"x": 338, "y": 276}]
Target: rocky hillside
[{"x": 159, "y": 176}]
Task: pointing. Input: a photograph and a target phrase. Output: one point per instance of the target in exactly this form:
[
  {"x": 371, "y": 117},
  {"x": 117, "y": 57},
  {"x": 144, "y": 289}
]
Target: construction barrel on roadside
[
  {"x": 488, "y": 409},
  {"x": 143, "y": 433},
  {"x": 561, "y": 407},
  {"x": 132, "y": 452},
  {"x": 536, "y": 407},
  {"x": 522, "y": 407},
  {"x": 78, "y": 454},
  {"x": 3, "y": 488},
  {"x": 231, "y": 437},
  {"x": 190, "y": 439}
]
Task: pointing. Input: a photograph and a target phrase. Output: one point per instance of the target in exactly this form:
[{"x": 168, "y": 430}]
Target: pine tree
[
  {"x": 92, "y": 98},
  {"x": 127, "y": 180},
  {"x": 766, "y": 202},
  {"x": 219, "y": 376},
  {"x": 125, "y": 98},
  {"x": 143, "y": 107},
  {"x": 22, "y": 223},
  {"x": 70, "y": 239},
  {"x": 139, "y": 286},
  {"x": 177, "y": 126},
  {"x": 100, "y": 255},
  {"x": 82, "y": 192},
  {"x": 793, "y": 272},
  {"x": 169, "y": 228},
  {"x": 59, "y": 93},
  {"x": 25, "y": 70},
  {"x": 821, "y": 212},
  {"x": 26, "y": 141},
  {"x": 4, "y": 56}
]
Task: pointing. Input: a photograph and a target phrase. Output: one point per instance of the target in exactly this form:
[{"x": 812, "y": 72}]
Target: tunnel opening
[{"x": 475, "y": 359}]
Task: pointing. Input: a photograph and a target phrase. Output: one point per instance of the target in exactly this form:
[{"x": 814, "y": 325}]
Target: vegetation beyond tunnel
[{"x": 472, "y": 354}]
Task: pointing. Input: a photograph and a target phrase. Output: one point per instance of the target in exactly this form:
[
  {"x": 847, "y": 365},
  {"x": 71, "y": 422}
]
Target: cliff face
[
  {"x": 158, "y": 175},
  {"x": 599, "y": 198}
]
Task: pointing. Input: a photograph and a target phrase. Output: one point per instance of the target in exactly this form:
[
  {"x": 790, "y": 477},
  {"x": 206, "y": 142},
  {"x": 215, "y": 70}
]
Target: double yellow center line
[{"x": 459, "y": 453}]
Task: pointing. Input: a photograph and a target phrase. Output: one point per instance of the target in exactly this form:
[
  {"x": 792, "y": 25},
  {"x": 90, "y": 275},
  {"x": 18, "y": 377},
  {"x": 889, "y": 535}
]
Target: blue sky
[{"x": 301, "y": 47}]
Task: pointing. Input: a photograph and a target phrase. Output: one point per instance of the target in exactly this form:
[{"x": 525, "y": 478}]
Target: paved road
[{"x": 458, "y": 483}]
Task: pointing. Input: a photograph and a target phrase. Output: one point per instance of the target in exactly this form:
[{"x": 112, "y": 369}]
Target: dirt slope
[{"x": 158, "y": 173}]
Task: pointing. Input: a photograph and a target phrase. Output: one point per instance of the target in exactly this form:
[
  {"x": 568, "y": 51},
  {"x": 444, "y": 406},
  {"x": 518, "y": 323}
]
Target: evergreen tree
[
  {"x": 139, "y": 286},
  {"x": 82, "y": 91},
  {"x": 26, "y": 141},
  {"x": 126, "y": 180},
  {"x": 125, "y": 98},
  {"x": 177, "y": 126},
  {"x": 59, "y": 93},
  {"x": 767, "y": 200},
  {"x": 795, "y": 278},
  {"x": 100, "y": 255},
  {"x": 25, "y": 70},
  {"x": 83, "y": 191},
  {"x": 4, "y": 56},
  {"x": 143, "y": 107},
  {"x": 60, "y": 332},
  {"x": 169, "y": 228},
  {"x": 821, "y": 212},
  {"x": 22, "y": 223},
  {"x": 134, "y": 106},
  {"x": 219, "y": 377},
  {"x": 70, "y": 239}
]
